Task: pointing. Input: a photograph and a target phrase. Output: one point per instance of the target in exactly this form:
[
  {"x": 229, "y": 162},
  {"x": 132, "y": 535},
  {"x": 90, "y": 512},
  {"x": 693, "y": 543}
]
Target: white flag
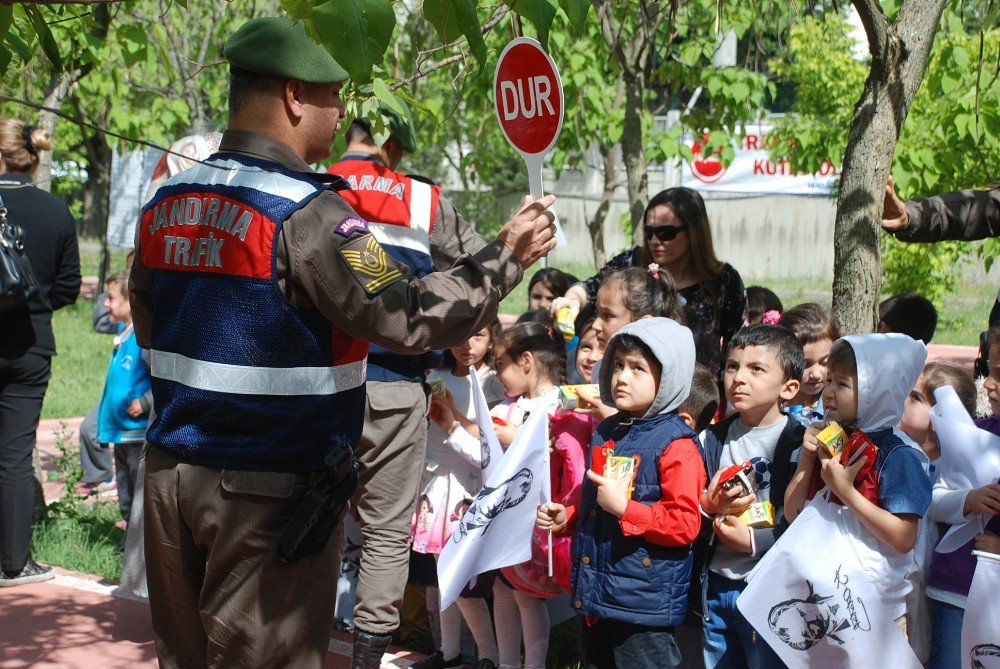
[
  {"x": 970, "y": 458},
  {"x": 489, "y": 445},
  {"x": 496, "y": 530},
  {"x": 810, "y": 601},
  {"x": 981, "y": 625}
]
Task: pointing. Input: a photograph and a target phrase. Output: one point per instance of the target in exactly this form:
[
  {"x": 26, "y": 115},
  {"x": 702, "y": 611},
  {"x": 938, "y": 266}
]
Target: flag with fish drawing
[
  {"x": 810, "y": 601},
  {"x": 489, "y": 445},
  {"x": 496, "y": 530}
]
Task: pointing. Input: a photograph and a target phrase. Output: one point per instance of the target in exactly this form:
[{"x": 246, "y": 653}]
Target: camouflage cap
[{"x": 279, "y": 47}]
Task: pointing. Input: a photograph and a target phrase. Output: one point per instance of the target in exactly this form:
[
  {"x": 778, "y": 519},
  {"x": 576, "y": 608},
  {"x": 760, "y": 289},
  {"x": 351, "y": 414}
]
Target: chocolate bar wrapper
[
  {"x": 740, "y": 475},
  {"x": 857, "y": 446},
  {"x": 599, "y": 457}
]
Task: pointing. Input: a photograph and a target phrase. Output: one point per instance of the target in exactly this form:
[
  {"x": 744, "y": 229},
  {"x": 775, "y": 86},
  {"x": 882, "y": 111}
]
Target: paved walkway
[{"x": 79, "y": 622}]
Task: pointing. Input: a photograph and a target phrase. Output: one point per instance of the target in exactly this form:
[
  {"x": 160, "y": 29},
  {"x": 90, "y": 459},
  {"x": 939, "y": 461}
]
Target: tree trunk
[
  {"x": 596, "y": 223},
  {"x": 97, "y": 190},
  {"x": 58, "y": 87},
  {"x": 634, "y": 156},
  {"x": 899, "y": 59}
]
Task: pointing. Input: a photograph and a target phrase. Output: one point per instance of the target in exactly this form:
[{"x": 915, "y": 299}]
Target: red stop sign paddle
[{"x": 528, "y": 96}]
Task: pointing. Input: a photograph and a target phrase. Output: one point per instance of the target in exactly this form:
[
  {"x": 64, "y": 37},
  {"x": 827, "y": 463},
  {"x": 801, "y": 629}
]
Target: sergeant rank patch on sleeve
[{"x": 370, "y": 264}]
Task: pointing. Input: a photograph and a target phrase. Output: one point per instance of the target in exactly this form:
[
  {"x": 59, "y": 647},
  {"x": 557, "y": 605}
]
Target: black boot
[{"x": 368, "y": 649}]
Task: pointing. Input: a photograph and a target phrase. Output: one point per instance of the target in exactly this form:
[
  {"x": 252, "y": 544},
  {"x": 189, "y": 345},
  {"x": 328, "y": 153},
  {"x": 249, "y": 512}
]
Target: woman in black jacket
[
  {"x": 26, "y": 340},
  {"x": 677, "y": 237}
]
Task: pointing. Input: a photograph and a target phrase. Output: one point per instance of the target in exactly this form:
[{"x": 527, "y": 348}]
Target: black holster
[{"x": 319, "y": 513}]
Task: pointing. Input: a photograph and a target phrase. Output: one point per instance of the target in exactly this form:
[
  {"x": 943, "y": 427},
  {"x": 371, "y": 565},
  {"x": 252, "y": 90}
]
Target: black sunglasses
[{"x": 664, "y": 233}]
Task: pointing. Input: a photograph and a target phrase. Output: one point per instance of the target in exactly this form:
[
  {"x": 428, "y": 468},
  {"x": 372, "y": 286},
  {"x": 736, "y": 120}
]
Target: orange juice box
[
  {"x": 621, "y": 467},
  {"x": 569, "y": 396},
  {"x": 760, "y": 514},
  {"x": 832, "y": 438},
  {"x": 437, "y": 388}
]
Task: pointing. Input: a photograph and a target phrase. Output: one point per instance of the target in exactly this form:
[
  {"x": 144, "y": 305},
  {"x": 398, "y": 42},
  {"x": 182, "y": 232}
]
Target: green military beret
[
  {"x": 279, "y": 47},
  {"x": 400, "y": 126}
]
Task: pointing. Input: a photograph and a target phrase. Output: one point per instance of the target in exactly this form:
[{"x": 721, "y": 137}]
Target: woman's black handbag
[{"x": 17, "y": 280}]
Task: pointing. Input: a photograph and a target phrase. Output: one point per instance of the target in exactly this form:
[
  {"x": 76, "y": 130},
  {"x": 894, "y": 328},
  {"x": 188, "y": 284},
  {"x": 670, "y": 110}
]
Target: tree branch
[
  {"x": 464, "y": 54},
  {"x": 63, "y": 2},
  {"x": 76, "y": 120},
  {"x": 876, "y": 28}
]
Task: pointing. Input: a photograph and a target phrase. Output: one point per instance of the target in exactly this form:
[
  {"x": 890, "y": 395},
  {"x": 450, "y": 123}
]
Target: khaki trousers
[
  {"x": 391, "y": 452},
  {"x": 219, "y": 594}
]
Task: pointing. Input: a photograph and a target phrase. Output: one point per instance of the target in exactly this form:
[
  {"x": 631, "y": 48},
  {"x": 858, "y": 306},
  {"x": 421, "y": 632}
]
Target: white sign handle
[{"x": 533, "y": 161}]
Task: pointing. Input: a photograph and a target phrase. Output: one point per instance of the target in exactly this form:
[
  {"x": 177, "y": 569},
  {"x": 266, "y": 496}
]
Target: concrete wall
[{"x": 762, "y": 236}]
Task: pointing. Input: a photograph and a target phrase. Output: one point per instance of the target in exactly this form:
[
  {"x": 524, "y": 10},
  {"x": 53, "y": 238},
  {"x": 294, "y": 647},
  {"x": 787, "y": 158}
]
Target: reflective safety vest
[
  {"x": 400, "y": 211},
  {"x": 241, "y": 378}
]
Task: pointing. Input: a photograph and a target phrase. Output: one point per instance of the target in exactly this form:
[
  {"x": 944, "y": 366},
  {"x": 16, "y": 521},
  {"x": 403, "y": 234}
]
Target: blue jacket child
[
  {"x": 632, "y": 558},
  {"x": 128, "y": 379}
]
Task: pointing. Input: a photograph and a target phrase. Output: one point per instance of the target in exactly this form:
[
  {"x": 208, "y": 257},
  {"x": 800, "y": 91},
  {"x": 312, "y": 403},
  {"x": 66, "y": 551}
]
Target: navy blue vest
[
  {"x": 241, "y": 378},
  {"x": 625, "y": 578}
]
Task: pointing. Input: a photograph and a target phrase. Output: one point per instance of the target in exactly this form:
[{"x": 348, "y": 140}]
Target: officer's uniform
[
  {"x": 256, "y": 288},
  {"x": 417, "y": 226}
]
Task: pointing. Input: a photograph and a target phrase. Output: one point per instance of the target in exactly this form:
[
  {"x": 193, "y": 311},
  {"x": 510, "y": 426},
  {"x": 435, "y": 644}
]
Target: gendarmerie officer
[
  {"x": 420, "y": 227},
  {"x": 256, "y": 288}
]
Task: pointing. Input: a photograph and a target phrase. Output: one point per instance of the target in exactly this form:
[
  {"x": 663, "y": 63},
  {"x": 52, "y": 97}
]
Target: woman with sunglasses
[{"x": 676, "y": 236}]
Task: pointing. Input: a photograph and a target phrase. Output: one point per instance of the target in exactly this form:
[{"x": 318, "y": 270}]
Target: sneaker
[
  {"x": 31, "y": 572},
  {"x": 486, "y": 664},
  {"x": 436, "y": 661},
  {"x": 103, "y": 489}
]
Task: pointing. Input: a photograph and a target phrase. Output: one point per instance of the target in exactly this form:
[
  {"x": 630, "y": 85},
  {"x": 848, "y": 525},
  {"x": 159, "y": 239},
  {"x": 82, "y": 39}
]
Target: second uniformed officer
[
  {"x": 256, "y": 289},
  {"x": 420, "y": 227}
]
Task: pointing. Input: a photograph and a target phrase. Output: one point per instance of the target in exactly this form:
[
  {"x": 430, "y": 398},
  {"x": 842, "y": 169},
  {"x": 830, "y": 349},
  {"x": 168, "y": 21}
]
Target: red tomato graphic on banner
[{"x": 707, "y": 169}]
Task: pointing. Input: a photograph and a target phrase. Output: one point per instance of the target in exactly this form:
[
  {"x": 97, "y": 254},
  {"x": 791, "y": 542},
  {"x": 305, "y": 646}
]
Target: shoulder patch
[
  {"x": 351, "y": 225},
  {"x": 370, "y": 264}
]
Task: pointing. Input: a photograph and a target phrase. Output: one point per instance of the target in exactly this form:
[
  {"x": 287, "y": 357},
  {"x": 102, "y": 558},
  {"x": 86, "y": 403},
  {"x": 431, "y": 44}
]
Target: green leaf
[
  {"x": 382, "y": 92},
  {"x": 299, "y": 10},
  {"x": 576, "y": 11},
  {"x": 5, "y": 57},
  {"x": 49, "y": 46},
  {"x": 356, "y": 33},
  {"x": 453, "y": 19},
  {"x": 539, "y": 12},
  {"x": 949, "y": 82},
  {"x": 6, "y": 19},
  {"x": 20, "y": 46},
  {"x": 960, "y": 56}
]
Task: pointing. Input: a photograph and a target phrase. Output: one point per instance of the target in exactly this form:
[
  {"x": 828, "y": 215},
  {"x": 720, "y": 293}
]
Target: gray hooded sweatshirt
[{"x": 673, "y": 346}]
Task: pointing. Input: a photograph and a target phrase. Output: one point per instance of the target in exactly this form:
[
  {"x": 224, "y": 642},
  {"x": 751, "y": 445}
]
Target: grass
[
  {"x": 78, "y": 532},
  {"x": 86, "y": 541},
  {"x": 78, "y": 370}
]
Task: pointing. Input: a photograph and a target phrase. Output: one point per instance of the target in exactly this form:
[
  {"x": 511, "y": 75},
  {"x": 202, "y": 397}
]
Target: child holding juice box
[
  {"x": 868, "y": 381},
  {"x": 632, "y": 552},
  {"x": 748, "y": 458}
]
